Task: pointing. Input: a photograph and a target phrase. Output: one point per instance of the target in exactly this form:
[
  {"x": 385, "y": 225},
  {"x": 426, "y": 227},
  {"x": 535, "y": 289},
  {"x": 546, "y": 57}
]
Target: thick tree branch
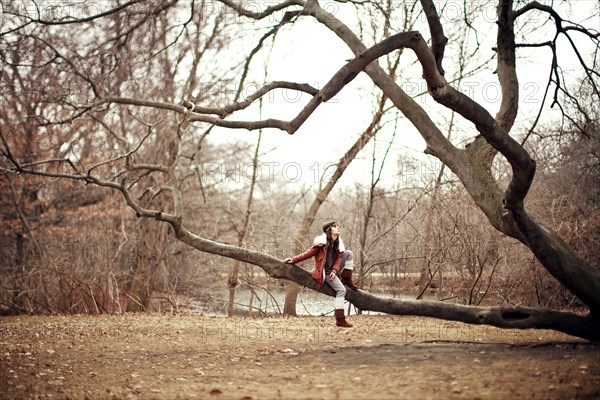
[
  {"x": 520, "y": 318},
  {"x": 173, "y": 219},
  {"x": 501, "y": 317},
  {"x": 560, "y": 260},
  {"x": 522, "y": 164},
  {"x": 481, "y": 185},
  {"x": 508, "y": 318},
  {"x": 237, "y": 106},
  {"x": 506, "y": 69},
  {"x": 40, "y": 169},
  {"x": 437, "y": 144}
]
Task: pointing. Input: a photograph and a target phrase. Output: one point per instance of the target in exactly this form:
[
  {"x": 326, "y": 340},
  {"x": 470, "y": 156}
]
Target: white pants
[
  {"x": 347, "y": 260},
  {"x": 340, "y": 291}
]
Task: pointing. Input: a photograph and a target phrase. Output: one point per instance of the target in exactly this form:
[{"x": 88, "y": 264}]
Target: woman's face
[{"x": 335, "y": 230}]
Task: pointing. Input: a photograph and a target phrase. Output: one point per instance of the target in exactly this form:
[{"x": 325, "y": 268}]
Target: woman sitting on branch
[{"x": 331, "y": 260}]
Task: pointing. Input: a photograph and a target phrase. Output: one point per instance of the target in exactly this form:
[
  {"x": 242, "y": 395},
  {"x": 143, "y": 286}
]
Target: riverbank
[{"x": 190, "y": 356}]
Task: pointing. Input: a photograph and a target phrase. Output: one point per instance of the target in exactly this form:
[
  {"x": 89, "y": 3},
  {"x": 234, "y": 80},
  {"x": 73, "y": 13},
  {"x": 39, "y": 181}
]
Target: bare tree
[
  {"x": 243, "y": 230},
  {"x": 363, "y": 260},
  {"x": 504, "y": 208}
]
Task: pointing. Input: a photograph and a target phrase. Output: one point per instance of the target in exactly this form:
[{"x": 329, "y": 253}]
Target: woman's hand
[
  {"x": 332, "y": 275},
  {"x": 288, "y": 261}
]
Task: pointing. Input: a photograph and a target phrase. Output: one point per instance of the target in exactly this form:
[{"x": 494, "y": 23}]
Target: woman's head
[{"x": 332, "y": 230}]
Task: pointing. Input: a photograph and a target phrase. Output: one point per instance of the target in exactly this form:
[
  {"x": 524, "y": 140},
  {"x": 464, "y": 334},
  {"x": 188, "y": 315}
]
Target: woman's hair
[
  {"x": 327, "y": 226},
  {"x": 333, "y": 244}
]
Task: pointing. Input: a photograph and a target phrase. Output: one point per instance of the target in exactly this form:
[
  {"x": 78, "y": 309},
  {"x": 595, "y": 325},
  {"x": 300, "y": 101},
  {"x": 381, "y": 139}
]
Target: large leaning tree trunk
[
  {"x": 151, "y": 249},
  {"x": 504, "y": 209}
]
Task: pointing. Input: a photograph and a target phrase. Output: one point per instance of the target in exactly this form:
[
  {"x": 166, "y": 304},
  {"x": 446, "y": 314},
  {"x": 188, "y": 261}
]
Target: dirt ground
[{"x": 196, "y": 357}]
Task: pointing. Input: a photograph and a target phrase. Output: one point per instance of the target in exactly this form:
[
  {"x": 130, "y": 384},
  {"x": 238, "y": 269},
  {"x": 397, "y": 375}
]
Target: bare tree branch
[
  {"x": 562, "y": 28},
  {"x": 507, "y": 71},
  {"x": 438, "y": 39},
  {"x": 75, "y": 20},
  {"x": 260, "y": 15},
  {"x": 237, "y": 106}
]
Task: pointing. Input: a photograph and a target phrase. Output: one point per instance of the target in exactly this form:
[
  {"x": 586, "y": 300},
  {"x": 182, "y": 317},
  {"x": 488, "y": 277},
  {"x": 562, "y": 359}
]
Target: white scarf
[{"x": 322, "y": 239}]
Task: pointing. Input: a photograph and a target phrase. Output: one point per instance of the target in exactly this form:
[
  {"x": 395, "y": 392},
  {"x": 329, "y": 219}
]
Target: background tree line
[{"x": 78, "y": 249}]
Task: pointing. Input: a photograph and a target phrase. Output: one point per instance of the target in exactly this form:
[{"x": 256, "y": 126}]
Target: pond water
[{"x": 214, "y": 302}]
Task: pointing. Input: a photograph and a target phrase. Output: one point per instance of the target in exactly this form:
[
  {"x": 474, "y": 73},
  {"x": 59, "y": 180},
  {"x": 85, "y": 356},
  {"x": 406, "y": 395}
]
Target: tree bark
[{"x": 151, "y": 247}]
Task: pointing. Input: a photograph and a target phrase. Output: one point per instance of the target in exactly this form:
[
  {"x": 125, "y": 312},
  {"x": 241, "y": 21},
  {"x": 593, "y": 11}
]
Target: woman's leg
[
  {"x": 347, "y": 267},
  {"x": 338, "y": 302},
  {"x": 340, "y": 291},
  {"x": 347, "y": 260}
]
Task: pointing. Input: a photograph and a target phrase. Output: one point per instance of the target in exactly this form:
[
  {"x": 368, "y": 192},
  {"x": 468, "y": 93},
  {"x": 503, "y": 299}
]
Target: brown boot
[
  {"x": 346, "y": 276},
  {"x": 340, "y": 320}
]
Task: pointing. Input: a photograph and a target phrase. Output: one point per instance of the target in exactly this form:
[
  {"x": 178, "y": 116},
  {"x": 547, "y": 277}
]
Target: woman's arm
[
  {"x": 303, "y": 256},
  {"x": 337, "y": 263}
]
